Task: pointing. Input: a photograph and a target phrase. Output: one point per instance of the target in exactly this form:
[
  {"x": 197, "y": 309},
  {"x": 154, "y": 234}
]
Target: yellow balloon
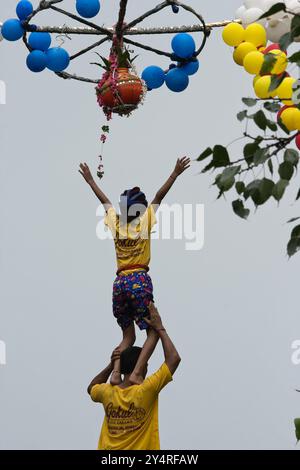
[
  {"x": 241, "y": 51},
  {"x": 281, "y": 62},
  {"x": 255, "y": 79},
  {"x": 297, "y": 119},
  {"x": 262, "y": 86},
  {"x": 256, "y": 34},
  {"x": 253, "y": 62},
  {"x": 233, "y": 34},
  {"x": 285, "y": 90},
  {"x": 289, "y": 118}
]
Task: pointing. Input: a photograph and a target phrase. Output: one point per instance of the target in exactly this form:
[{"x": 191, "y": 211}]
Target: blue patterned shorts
[{"x": 132, "y": 294}]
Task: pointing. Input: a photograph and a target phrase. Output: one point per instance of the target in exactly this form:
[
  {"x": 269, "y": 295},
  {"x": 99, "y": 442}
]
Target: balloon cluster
[
  {"x": 250, "y": 51},
  {"x": 177, "y": 76},
  {"x": 276, "y": 25},
  {"x": 41, "y": 56}
]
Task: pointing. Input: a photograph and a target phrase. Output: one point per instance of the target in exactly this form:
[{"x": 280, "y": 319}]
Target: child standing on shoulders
[{"x": 132, "y": 288}]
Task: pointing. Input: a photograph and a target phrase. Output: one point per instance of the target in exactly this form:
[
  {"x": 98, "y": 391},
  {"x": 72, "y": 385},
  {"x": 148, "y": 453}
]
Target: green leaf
[
  {"x": 292, "y": 248},
  {"x": 261, "y": 156},
  {"x": 239, "y": 209},
  {"x": 220, "y": 156},
  {"x": 226, "y": 180},
  {"x": 260, "y": 120},
  {"x": 272, "y": 106},
  {"x": 272, "y": 125},
  {"x": 205, "y": 154},
  {"x": 276, "y": 80},
  {"x": 282, "y": 126},
  {"x": 295, "y": 27},
  {"x": 268, "y": 64},
  {"x": 297, "y": 426},
  {"x": 295, "y": 58},
  {"x": 270, "y": 165},
  {"x": 285, "y": 41},
  {"x": 265, "y": 191},
  {"x": 286, "y": 170},
  {"x": 249, "y": 101},
  {"x": 240, "y": 187},
  {"x": 274, "y": 9},
  {"x": 242, "y": 115},
  {"x": 279, "y": 189},
  {"x": 208, "y": 167},
  {"x": 291, "y": 156},
  {"x": 259, "y": 191},
  {"x": 249, "y": 151}
]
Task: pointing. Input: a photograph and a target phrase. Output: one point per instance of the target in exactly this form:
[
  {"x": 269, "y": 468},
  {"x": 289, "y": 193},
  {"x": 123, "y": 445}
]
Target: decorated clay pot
[{"x": 124, "y": 96}]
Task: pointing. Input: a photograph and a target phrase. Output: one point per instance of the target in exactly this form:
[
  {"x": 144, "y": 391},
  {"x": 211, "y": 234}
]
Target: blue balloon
[
  {"x": 58, "y": 59},
  {"x": 88, "y": 8},
  {"x": 24, "y": 9},
  {"x": 176, "y": 80},
  {"x": 36, "y": 61},
  {"x": 154, "y": 76},
  {"x": 12, "y": 30},
  {"x": 40, "y": 41},
  {"x": 183, "y": 45},
  {"x": 190, "y": 68}
]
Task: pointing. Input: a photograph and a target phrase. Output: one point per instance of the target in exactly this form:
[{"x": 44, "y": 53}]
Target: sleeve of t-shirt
[
  {"x": 98, "y": 392},
  {"x": 111, "y": 219},
  {"x": 148, "y": 219},
  {"x": 157, "y": 381}
]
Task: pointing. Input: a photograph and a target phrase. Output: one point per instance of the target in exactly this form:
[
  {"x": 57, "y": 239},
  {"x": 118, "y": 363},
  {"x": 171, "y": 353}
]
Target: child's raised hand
[
  {"x": 182, "y": 164},
  {"x": 86, "y": 172}
]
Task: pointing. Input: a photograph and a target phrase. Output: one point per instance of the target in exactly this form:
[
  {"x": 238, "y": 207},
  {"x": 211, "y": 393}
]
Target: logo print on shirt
[{"x": 132, "y": 413}]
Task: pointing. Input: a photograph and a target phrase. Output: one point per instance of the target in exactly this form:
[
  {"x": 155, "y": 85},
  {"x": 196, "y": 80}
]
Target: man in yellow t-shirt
[
  {"x": 132, "y": 289},
  {"x": 131, "y": 411}
]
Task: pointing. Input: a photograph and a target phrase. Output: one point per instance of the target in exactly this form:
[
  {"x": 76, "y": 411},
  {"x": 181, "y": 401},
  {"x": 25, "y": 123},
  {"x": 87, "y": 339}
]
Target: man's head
[
  {"x": 128, "y": 360},
  {"x": 133, "y": 204}
]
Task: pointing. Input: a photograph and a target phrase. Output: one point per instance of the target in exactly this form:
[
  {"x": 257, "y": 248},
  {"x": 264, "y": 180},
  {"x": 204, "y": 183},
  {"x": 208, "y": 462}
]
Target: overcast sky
[{"x": 231, "y": 308}]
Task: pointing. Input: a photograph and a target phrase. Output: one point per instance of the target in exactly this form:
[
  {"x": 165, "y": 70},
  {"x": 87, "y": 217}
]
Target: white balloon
[
  {"x": 251, "y": 16},
  {"x": 240, "y": 12},
  {"x": 1, "y": 37},
  {"x": 253, "y": 4}
]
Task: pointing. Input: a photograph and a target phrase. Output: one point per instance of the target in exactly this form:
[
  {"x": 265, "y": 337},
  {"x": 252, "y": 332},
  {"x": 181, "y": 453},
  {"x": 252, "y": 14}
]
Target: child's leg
[
  {"x": 137, "y": 376},
  {"x": 128, "y": 340}
]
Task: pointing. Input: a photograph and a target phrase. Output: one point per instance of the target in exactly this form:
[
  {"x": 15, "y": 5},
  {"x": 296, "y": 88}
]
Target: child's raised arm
[
  {"x": 87, "y": 175},
  {"x": 182, "y": 164}
]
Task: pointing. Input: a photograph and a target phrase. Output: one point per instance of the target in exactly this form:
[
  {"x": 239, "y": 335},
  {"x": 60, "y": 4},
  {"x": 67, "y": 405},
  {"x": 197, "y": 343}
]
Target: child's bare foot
[
  {"x": 136, "y": 379},
  {"x": 115, "y": 378}
]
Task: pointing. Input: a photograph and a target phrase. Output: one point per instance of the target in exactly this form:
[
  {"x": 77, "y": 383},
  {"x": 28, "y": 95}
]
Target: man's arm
[
  {"x": 172, "y": 358},
  {"x": 87, "y": 175},
  {"x": 182, "y": 164},
  {"x": 103, "y": 376}
]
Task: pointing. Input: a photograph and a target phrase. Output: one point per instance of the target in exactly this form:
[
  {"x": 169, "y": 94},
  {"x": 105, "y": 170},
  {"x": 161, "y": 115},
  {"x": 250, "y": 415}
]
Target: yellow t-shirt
[
  {"x": 131, "y": 414},
  {"x": 132, "y": 240}
]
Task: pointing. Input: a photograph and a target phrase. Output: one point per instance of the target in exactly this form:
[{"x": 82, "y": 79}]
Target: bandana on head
[{"x": 134, "y": 196}]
